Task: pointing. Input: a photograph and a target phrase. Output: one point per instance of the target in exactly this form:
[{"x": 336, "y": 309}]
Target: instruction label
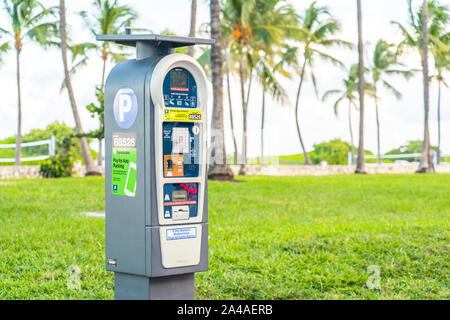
[
  {"x": 124, "y": 167},
  {"x": 174, "y": 165},
  {"x": 181, "y": 233},
  {"x": 182, "y": 115}
]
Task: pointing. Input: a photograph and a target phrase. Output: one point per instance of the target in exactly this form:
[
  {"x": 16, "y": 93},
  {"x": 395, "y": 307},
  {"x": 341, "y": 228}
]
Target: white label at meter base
[
  {"x": 181, "y": 233},
  {"x": 180, "y": 246}
]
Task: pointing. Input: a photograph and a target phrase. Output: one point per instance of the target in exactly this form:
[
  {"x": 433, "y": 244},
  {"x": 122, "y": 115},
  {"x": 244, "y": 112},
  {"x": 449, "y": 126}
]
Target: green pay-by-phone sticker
[{"x": 124, "y": 167}]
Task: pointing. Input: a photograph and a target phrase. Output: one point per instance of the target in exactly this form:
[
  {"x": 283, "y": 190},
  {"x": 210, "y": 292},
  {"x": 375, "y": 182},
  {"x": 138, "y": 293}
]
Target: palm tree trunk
[
  {"x": 103, "y": 72},
  {"x": 86, "y": 153},
  {"x": 100, "y": 140},
  {"x": 351, "y": 130},
  {"x": 100, "y": 153},
  {"x": 219, "y": 168},
  {"x": 302, "y": 76},
  {"x": 249, "y": 87},
  {"x": 378, "y": 125},
  {"x": 426, "y": 164},
  {"x": 439, "y": 124},
  {"x": 227, "y": 67},
  {"x": 360, "y": 164},
  {"x": 19, "y": 113},
  {"x": 242, "y": 169},
  {"x": 193, "y": 23},
  {"x": 262, "y": 125}
]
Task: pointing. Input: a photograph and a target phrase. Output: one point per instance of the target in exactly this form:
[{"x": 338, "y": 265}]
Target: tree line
[
  {"x": 257, "y": 41},
  {"x": 263, "y": 39},
  {"x": 31, "y": 21}
]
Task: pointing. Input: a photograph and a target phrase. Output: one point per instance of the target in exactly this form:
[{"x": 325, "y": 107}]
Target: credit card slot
[{"x": 180, "y": 212}]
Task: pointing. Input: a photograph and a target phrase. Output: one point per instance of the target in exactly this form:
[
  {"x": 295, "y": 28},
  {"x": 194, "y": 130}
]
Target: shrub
[
  {"x": 57, "y": 167},
  {"x": 334, "y": 152}
]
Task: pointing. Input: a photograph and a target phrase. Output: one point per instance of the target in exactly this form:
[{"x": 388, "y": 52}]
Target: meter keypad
[{"x": 181, "y": 152}]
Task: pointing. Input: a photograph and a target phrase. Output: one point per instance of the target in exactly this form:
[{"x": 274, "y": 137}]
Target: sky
[{"x": 401, "y": 120}]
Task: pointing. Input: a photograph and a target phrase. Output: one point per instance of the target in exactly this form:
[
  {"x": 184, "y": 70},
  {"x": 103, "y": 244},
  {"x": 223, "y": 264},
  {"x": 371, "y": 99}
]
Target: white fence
[
  {"x": 51, "y": 149},
  {"x": 394, "y": 156}
]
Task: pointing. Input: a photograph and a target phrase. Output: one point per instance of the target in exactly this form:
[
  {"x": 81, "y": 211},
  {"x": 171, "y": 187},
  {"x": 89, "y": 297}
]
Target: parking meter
[{"x": 155, "y": 169}]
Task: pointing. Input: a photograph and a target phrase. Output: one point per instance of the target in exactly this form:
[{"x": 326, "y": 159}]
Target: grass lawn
[{"x": 271, "y": 238}]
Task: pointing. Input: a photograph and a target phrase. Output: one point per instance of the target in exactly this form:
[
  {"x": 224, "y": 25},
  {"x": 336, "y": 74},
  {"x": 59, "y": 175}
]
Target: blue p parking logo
[{"x": 125, "y": 107}]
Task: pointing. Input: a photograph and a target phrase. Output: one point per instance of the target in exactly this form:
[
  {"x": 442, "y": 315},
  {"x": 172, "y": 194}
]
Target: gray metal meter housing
[{"x": 155, "y": 169}]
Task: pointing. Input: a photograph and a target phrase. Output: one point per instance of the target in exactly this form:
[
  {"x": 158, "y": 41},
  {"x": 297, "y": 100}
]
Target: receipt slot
[{"x": 155, "y": 172}]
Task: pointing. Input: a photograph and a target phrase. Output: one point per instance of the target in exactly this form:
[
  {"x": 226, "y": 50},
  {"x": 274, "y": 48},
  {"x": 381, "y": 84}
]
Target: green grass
[{"x": 271, "y": 238}]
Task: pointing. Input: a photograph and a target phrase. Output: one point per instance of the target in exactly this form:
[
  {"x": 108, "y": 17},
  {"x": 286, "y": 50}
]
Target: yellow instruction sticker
[{"x": 182, "y": 115}]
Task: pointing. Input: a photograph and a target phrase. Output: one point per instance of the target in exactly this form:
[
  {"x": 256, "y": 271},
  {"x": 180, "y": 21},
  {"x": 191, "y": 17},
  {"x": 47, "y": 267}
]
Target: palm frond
[
  {"x": 205, "y": 60},
  {"x": 44, "y": 34},
  {"x": 329, "y": 93},
  {"x": 407, "y": 74},
  {"x": 4, "y": 48},
  {"x": 391, "y": 88},
  {"x": 118, "y": 57},
  {"x": 336, "y": 42},
  {"x": 109, "y": 17},
  {"x": 4, "y": 32},
  {"x": 408, "y": 38},
  {"x": 75, "y": 68},
  {"x": 41, "y": 15},
  {"x": 326, "y": 57},
  {"x": 314, "y": 81},
  {"x": 82, "y": 49},
  {"x": 336, "y": 105}
]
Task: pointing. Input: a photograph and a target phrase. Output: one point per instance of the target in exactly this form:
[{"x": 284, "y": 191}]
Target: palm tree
[
  {"x": 383, "y": 64},
  {"x": 219, "y": 168},
  {"x": 426, "y": 161},
  {"x": 427, "y": 26},
  {"x": 349, "y": 93},
  {"x": 28, "y": 22},
  {"x": 360, "y": 164},
  {"x": 317, "y": 29},
  {"x": 205, "y": 61},
  {"x": 237, "y": 29},
  {"x": 233, "y": 134},
  {"x": 247, "y": 32},
  {"x": 286, "y": 22},
  {"x": 193, "y": 23},
  {"x": 266, "y": 72},
  {"x": 441, "y": 56},
  {"x": 85, "y": 150},
  {"x": 441, "y": 63},
  {"x": 108, "y": 18}
]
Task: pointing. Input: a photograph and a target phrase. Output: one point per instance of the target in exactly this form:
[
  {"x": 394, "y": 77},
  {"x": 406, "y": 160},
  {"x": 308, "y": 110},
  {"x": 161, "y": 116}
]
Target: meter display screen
[
  {"x": 180, "y": 89},
  {"x": 178, "y": 80}
]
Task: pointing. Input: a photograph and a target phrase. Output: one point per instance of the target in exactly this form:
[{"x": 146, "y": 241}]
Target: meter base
[{"x": 134, "y": 287}]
